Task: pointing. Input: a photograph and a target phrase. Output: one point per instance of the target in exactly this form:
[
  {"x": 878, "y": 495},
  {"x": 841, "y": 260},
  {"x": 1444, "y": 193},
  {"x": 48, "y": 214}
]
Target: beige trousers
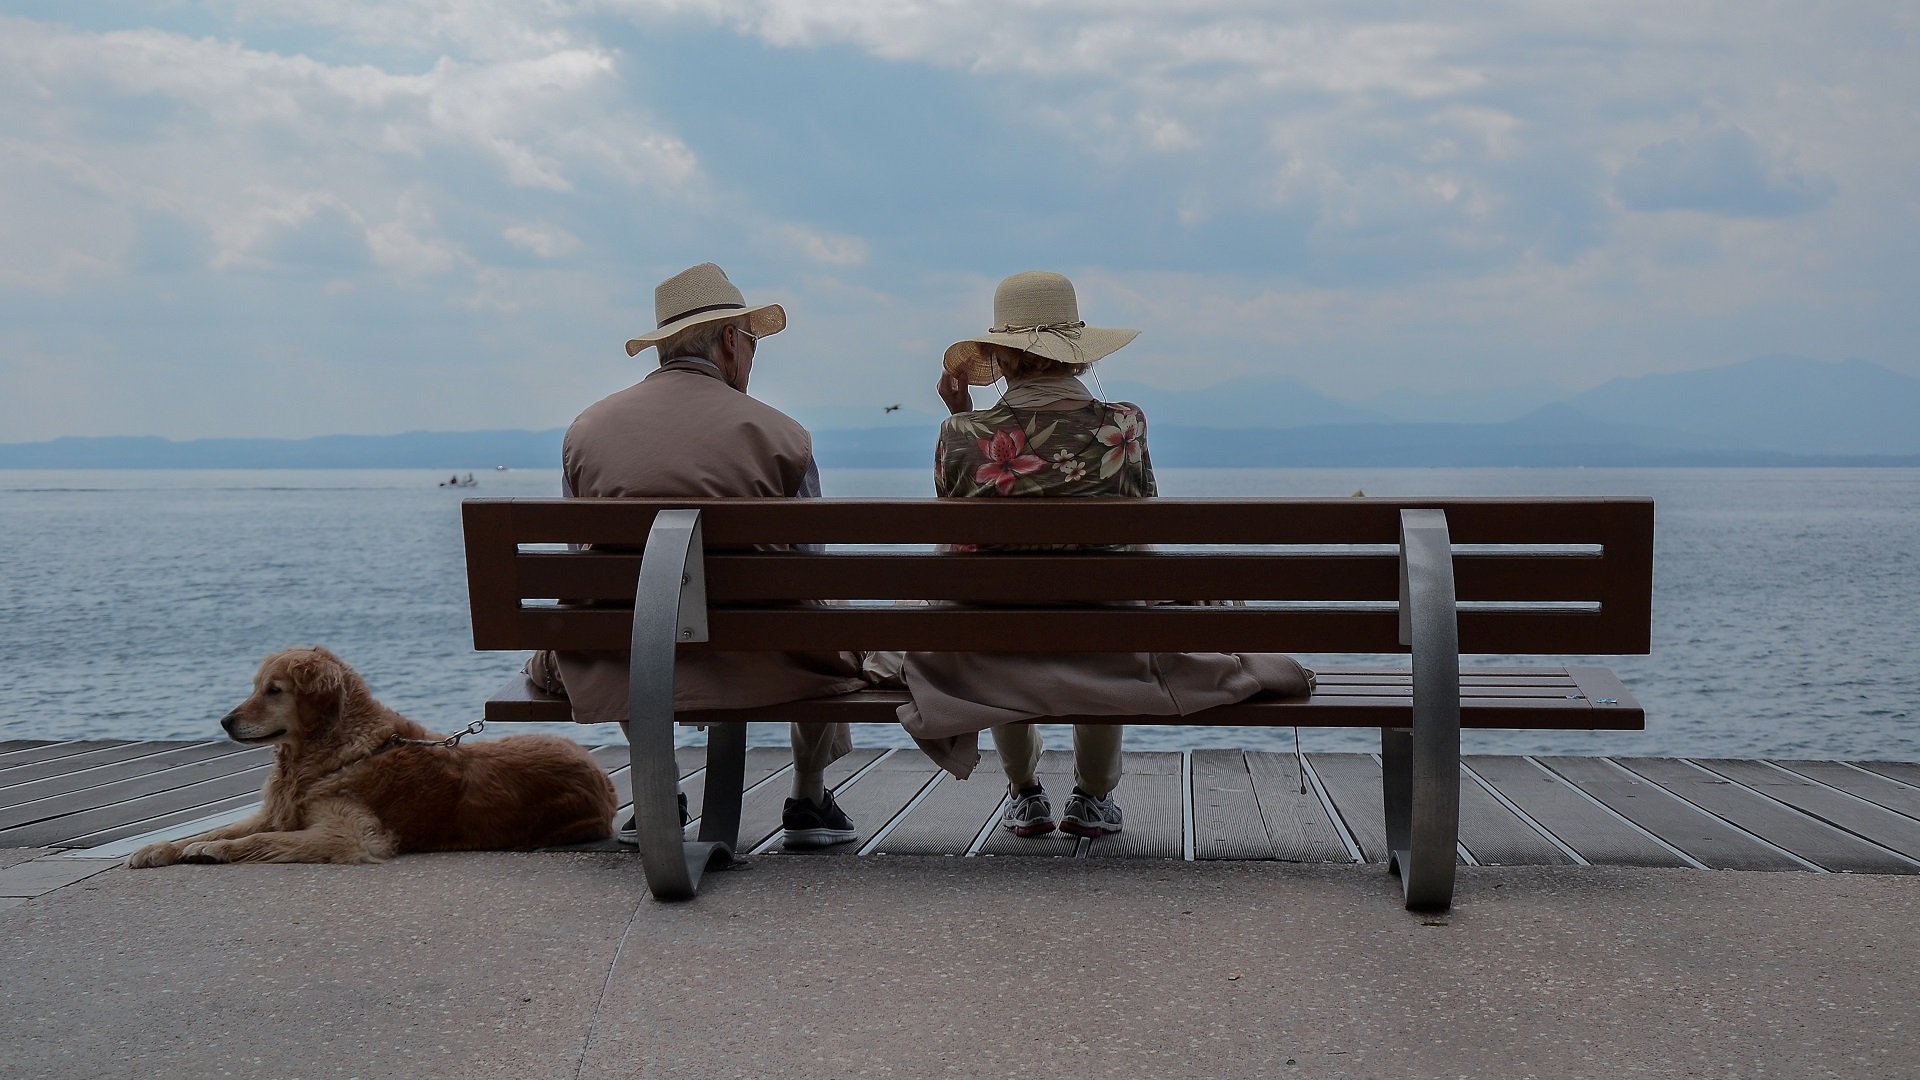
[
  {"x": 815, "y": 746},
  {"x": 1096, "y": 755}
]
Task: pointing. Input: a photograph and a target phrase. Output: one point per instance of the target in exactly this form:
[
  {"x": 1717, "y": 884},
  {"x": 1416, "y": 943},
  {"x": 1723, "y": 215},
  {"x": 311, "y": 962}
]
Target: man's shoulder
[
  {"x": 772, "y": 416},
  {"x": 685, "y": 397}
]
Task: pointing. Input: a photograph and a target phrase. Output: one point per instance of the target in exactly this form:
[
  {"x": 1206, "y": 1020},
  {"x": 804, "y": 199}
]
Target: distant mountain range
[
  {"x": 415, "y": 449},
  {"x": 1769, "y": 411}
]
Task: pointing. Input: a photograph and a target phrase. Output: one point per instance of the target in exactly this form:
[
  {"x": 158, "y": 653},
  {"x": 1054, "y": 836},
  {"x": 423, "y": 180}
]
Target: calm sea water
[{"x": 136, "y": 604}]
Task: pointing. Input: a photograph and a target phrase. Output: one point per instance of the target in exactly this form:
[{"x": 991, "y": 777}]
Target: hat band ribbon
[
  {"x": 1064, "y": 329},
  {"x": 700, "y": 311},
  {"x": 1068, "y": 332}
]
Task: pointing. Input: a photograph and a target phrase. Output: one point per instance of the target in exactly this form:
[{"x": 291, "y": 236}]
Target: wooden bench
[{"x": 1565, "y": 577}]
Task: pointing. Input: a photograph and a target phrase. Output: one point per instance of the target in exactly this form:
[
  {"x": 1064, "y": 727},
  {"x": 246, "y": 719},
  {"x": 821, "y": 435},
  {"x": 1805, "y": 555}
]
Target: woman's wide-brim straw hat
[
  {"x": 702, "y": 294},
  {"x": 1034, "y": 312}
]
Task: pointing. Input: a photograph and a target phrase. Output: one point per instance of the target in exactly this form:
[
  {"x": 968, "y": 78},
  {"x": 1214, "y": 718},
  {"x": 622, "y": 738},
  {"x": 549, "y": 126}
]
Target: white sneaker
[
  {"x": 1030, "y": 815},
  {"x": 1090, "y": 815}
]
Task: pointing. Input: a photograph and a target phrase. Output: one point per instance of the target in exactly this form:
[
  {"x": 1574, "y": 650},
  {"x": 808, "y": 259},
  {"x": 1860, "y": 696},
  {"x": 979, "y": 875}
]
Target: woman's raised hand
[{"x": 954, "y": 391}]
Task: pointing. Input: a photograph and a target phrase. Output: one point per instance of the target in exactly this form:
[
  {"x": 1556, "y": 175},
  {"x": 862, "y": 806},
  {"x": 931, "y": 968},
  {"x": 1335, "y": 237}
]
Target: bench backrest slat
[
  {"x": 1601, "y": 588},
  {"x": 744, "y": 577},
  {"x": 747, "y": 522}
]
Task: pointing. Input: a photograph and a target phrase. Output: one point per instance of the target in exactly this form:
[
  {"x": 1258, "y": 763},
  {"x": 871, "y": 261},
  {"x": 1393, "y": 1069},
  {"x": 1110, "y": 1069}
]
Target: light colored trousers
[
  {"x": 815, "y": 746},
  {"x": 1096, "y": 755}
]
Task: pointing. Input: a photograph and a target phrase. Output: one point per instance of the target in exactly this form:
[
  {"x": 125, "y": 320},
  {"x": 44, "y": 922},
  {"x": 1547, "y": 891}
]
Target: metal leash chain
[{"x": 474, "y": 728}]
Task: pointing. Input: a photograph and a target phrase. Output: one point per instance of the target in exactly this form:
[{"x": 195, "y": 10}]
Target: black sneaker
[
  {"x": 812, "y": 826},
  {"x": 628, "y": 833}
]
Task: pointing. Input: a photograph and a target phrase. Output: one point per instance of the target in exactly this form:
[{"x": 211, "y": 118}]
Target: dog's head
[{"x": 298, "y": 697}]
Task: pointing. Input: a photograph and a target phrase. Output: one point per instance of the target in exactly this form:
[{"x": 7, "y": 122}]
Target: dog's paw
[
  {"x": 161, "y": 854},
  {"x": 207, "y": 851}
]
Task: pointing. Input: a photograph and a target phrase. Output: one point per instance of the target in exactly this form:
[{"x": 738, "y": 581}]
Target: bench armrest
[
  {"x": 669, "y": 606},
  {"x": 1420, "y": 767}
]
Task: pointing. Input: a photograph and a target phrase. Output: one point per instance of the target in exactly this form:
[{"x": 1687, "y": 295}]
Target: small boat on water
[{"x": 458, "y": 481}]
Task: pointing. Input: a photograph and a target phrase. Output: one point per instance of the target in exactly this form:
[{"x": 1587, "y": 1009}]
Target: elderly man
[{"x": 689, "y": 430}]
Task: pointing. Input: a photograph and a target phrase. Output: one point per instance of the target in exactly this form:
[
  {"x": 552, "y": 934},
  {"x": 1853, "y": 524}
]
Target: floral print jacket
[{"x": 1099, "y": 449}]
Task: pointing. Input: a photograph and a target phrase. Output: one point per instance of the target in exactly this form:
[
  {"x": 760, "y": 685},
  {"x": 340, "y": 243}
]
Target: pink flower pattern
[
  {"x": 1097, "y": 450},
  {"x": 1007, "y": 460},
  {"x": 1123, "y": 441}
]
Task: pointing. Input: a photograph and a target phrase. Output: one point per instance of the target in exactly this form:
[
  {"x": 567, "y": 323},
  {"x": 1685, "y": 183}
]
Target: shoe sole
[
  {"x": 1081, "y": 828},
  {"x": 1039, "y": 828},
  {"x": 818, "y": 838}
]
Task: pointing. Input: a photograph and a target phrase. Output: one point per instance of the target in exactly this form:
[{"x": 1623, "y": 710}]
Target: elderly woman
[{"x": 1049, "y": 437}]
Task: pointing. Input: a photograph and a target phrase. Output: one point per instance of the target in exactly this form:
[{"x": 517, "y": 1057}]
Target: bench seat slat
[{"x": 519, "y": 702}]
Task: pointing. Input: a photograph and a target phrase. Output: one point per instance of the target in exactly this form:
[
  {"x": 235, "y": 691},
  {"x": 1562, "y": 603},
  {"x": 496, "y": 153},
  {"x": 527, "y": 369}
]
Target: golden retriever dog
[{"x": 345, "y": 788}]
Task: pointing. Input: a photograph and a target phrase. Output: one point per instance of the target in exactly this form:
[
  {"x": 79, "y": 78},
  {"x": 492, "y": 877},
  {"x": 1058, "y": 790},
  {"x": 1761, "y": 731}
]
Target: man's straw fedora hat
[
  {"x": 1034, "y": 312},
  {"x": 702, "y": 294}
]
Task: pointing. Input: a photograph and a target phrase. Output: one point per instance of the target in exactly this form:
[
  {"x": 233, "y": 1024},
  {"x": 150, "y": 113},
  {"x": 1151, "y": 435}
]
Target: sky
[{"x": 301, "y": 217}]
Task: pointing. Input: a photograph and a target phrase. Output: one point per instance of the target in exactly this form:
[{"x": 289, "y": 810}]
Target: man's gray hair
[{"x": 702, "y": 341}]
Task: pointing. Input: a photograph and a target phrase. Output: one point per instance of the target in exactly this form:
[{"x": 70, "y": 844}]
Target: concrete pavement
[{"x": 553, "y": 965}]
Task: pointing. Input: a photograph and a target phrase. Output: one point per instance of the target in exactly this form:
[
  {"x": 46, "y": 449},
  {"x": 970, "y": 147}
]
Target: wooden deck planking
[
  {"x": 1496, "y": 836},
  {"x": 1226, "y": 812},
  {"x": 1773, "y": 822},
  {"x": 1873, "y": 787},
  {"x": 1906, "y": 772},
  {"x": 76, "y": 771},
  {"x": 1056, "y": 773},
  {"x": 181, "y": 816},
  {"x": 1876, "y": 824},
  {"x": 1298, "y": 827},
  {"x": 952, "y": 814},
  {"x": 878, "y": 796},
  {"x": 1353, "y": 783},
  {"x": 1245, "y": 806},
  {"x": 109, "y": 777},
  {"x": 1151, "y": 798},
  {"x": 762, "y": 762},
  {"x": 181, "y": 772},
  {"x": 45, "y": 751},
  {"x": 1598, "y": 836},
  {"x": 617, "y": 760},
  {"x": 53, "y": 832},
  {"x": 1702, "y": 836}
]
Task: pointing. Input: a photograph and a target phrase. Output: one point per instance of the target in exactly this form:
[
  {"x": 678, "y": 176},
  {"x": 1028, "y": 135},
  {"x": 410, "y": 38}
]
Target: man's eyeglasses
[{"x": 752, "y": 339}]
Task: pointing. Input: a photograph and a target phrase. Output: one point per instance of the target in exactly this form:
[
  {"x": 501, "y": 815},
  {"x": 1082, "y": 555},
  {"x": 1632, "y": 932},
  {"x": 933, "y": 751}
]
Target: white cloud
[
  {"x": 1720, "y": 170},
  {"x": 256, "y": 145},
  {"x": 545, "y": 241},
  {"x": 1365, "y": 197},
  {"x": 820, "y": 247}
]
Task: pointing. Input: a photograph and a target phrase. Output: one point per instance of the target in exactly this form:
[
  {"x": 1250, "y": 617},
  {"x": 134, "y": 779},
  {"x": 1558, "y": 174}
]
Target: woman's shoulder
[{"x": 976, "y": 422}]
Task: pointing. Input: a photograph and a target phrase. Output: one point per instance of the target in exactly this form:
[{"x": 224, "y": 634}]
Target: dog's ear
[
  {"x": 312, "y": 671},
  {"x": 317, "y": 675}
]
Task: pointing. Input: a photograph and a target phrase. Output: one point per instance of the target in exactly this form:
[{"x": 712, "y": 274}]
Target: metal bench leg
[
  {"x": 669, "y": 606},
  {"x": 1421, "y": 765},
  {"x": 1396, "y": 787},
  {"x": 726, "y": 776}
]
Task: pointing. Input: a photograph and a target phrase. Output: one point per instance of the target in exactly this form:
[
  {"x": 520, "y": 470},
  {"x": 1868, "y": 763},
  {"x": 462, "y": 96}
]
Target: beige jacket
[{"x": 683, "y": 432}]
